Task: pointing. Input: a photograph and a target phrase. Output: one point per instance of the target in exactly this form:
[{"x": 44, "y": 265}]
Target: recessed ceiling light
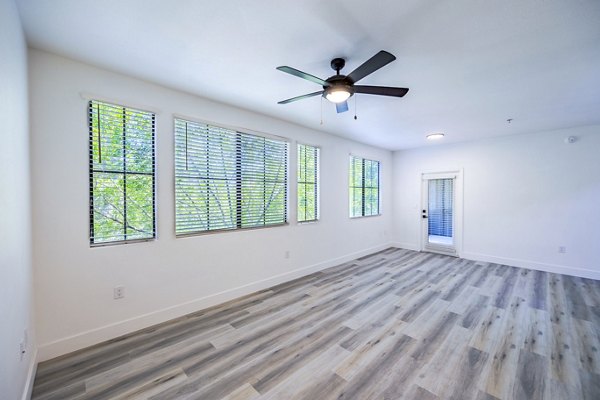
[{"x": 435, "y": 136}]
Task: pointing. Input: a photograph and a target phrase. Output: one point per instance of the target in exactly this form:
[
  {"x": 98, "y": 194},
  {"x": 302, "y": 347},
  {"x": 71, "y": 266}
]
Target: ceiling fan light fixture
[
  {"x": 339, "y": 88},
  {"x": 435, "y": 136},
  {"x": 337, "y": 94}
]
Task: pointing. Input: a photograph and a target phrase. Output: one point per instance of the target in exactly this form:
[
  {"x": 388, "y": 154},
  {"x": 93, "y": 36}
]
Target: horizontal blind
[
  {"x": 356, "y": 186},
  {"x": 364, "y": 187},
  {"x": 308, "y": 186},
  {"x": 371, "y": 187},
  {"x": 441, "y": 199},
  {"x": 122, "y": 173},
  {"x": 226, "y": 179}
]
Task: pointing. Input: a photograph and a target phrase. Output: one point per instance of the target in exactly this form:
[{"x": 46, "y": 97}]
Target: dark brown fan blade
[
  {"x": 381, "y": 90},
  {"x": 379, "y": 60},
  {"x": 303, "y": 75},
  {"x": 304, "y": 96}
]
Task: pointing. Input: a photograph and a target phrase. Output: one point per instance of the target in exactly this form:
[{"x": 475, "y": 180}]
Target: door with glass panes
[{"x": 438, "y": 213}]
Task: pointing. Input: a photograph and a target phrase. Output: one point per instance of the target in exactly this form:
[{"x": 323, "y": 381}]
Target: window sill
[
  {"x": 227, "y": 230},
  {"x": 311, "y": 222},
  {"x": 119, "y": 242},
  {"x": 366, "y": 216}
]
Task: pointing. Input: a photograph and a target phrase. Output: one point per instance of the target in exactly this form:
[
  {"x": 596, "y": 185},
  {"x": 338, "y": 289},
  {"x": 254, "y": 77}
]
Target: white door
[{"x": 439, "y": 213}]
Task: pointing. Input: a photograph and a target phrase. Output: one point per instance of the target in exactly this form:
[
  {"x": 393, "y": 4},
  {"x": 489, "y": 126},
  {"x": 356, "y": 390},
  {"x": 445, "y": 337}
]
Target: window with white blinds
[
  {"x": 122, "y": 174},
  {"x": 226, "y": 179},
  {"x": 364, "y": 187},
  {"x": 441, "y": 199},
  {"x": 308, "y": 183}
]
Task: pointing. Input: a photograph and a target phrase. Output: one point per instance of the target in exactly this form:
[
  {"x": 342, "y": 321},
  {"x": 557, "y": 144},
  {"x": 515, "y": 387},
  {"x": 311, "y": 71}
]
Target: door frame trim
[{"x": 458, "y": 218}]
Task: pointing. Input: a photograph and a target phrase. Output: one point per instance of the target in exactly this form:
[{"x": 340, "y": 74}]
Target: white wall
[
  {"x": 16, "y": 303},
  {"x": 524, "y": 196},
  {"x": 167, "y": 277}
]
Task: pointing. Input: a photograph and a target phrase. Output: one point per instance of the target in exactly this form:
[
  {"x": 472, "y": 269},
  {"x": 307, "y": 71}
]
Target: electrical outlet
[
  {"x": 562, "y": 249},
  {"x": 119, "y": 292},
  {"x": 23, "y": 345},
  {"x": 287, "y": 254}
]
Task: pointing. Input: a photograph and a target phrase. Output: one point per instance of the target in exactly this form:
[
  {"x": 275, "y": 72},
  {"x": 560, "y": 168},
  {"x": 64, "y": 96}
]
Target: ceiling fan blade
[
  {"x": 379, "y": 60},
  {"x": 381, "y": 90},
  {"x": 304, "y": 96},
  {"x": 341, "y": 107},
  {"x": 303, "y": 75}
]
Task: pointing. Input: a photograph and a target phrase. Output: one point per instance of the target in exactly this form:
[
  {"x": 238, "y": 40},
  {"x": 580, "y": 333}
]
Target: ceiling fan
[{"x": 338, "y": 88}]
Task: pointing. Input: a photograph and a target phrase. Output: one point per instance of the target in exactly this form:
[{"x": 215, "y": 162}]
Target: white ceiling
[{"x": 469, "y": 64}]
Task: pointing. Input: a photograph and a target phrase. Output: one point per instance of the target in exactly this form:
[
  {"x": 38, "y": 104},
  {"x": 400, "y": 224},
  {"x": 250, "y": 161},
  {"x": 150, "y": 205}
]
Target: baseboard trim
[
  {"x": 407, "y": 246},
  {"x": 30, "y": 376},
  {"x": 94, "y": 336},
  {"x": 554, "y": 268}
]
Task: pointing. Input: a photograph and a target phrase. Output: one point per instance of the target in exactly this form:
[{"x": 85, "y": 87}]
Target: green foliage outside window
[
  {"x": 227, "y": 180},
  {"x": 308, "y": 186},
  {"x": 121, "y": 173},
  {"x": 364, "y": 187}
]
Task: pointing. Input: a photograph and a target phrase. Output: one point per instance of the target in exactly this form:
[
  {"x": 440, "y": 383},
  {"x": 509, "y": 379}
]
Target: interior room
[{"x": 309, "y": 200}]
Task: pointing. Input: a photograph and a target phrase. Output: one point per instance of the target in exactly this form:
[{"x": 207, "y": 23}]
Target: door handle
[{"x": 424, "y": 216}]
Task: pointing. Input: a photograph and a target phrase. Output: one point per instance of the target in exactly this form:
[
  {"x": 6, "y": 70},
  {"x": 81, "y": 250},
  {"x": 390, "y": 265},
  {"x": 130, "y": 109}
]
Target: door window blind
[
  {"x": 225, "y": 179},
  {"x": 308, "y": 183},
  {"x": 364, "y": 187},
  {"x": 122, "y": 173},
  {"x": 441, "y": 199}
]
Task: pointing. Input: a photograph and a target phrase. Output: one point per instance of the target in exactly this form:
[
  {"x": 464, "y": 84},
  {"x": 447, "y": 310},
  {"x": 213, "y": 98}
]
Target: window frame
[
  {"x": 317, "y": 183},
  {"x": 363, "y": 188},
  {"x": 237, "y": 130},
  {"x": 91, "y": 171}
]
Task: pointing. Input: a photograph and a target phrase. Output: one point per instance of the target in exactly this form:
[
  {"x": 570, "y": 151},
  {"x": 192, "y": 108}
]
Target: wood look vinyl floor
[{"x": 394, "y": 325}]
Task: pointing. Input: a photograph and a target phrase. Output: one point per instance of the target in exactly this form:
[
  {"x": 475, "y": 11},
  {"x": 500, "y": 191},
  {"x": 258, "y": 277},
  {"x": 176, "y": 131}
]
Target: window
[
  {"x": 308, "y": 183},
  {"x": 226, "y": 179},
  {"x": 440, "y": 206},
  {"x": 122, "y": 182},
  {"x": 364, "y": 187}
]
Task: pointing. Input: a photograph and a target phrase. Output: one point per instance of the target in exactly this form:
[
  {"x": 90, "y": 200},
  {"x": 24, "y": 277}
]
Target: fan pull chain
[
  {"x": 321, "y": 110},
  {"x": 355, "y": 117}
]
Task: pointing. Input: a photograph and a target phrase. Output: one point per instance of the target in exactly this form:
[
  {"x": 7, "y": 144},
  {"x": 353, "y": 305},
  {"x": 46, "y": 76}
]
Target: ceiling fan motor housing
[
  {"x": 337, "y": 83},
  {"x": 337, "y": 64}
]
